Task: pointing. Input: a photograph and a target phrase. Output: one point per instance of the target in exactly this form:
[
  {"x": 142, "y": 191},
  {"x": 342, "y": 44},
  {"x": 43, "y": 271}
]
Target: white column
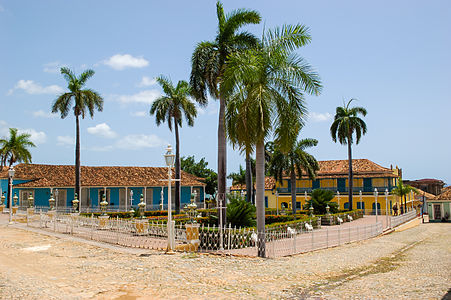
[
  {"x": 145, "y": 196},
  {"x": 126, "y": 198}
]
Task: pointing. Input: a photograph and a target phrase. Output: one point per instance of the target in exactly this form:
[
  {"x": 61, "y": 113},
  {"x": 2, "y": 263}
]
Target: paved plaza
[{"x": 414, "y": 263}]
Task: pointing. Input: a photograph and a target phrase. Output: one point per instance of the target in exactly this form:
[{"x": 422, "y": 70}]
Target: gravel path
[{"x": 411, "y": 264}]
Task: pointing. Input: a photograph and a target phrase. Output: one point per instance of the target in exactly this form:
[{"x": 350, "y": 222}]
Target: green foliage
[
  {"x": 347, "y": 122},
  {"x": 238, "y": 177},
  {"x": 322, "y": 198},
  {"x": 240, "y": 213},
  {"x": 199, "y": 169},
  {"x": 15, "y": 148}
]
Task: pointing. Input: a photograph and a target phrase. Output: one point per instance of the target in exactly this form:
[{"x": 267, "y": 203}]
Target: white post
[
  {"x": 170, "y": 244},
  {"x": 338, "y": 198},
  {"x": 361, "y": 203},
  {"x": 375, "y": 201},
  {"x": 386, "y": 207}
]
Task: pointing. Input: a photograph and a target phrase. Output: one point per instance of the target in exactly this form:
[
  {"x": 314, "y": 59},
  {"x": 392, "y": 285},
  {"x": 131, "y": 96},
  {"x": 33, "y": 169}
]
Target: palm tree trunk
[
  {"x": 260, "y": 197},
  {"x": 405, "y": 203},
  {"x": 177, "y": 167},
  {"x": 222, "y": 159},
  {"x": 293, "y": 191},
  {"x": 77, "y": 158},
  {"x": 350, "y": 181},
  {"x": 249, "y": 183}
]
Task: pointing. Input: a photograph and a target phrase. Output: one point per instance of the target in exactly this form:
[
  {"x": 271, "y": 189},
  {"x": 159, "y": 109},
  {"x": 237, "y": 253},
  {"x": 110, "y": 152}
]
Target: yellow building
[{"x": 368, "y": 177}]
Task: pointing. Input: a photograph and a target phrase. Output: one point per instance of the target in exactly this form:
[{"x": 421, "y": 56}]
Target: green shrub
[
  {"x": 240, "y": 213},
  {"x": 319, "y": 200}
]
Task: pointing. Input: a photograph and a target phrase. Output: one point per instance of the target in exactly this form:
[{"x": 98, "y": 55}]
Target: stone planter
[
  {"x": 192, "y": 237},
  {"x": 142, "y": 227},
  {"x": 327, "y": 220},
  {"x": 15, "y": 210},
  {"x": 103, "y": 221},
  {"x": 2, "y": 207}
]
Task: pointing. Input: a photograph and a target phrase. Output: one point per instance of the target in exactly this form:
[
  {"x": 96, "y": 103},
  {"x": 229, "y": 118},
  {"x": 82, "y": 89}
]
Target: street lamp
[
  {"x": 338, "y": 197},
  {"x": 361, "y": 203},
  {"x": 375, "y": 200},
  {"x": 386, "y": 207},
  {"x": 132, "y": 211},
  {"x": 161, "y": 199},
  {"x": 305, "y": 197},
  {"x": 11, "y": 177},
  {"x": 277, "y": 201},
  {"x": 169, "y": 158}
]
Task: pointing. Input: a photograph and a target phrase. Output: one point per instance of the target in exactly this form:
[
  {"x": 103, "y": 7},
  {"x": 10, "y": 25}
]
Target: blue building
[{"x": 121, "y": 185}]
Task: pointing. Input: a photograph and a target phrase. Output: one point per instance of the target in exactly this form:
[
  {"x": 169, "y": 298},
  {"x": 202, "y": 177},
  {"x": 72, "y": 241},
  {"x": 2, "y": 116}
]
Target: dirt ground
[{"x": 409, "y": 264}]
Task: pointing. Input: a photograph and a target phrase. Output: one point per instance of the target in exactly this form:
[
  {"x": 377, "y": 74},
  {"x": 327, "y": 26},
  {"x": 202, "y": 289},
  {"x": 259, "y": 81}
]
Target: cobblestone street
[{"x": 410, "y": 264}]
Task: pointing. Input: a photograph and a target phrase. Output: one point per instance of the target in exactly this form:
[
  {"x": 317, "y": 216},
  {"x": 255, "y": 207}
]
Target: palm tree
[
  {"x": 15, "y": 149},
  {"x": 81, "y": 101},
  {"x": 267, "y": 84},
  {"x": 293, "y": 162},
  {"x": 402, "y": 190},
  {"x": 238, "y": 177},
  {"x": 209, "y": 62},
  {"x": 170, "y": 108},
  {"x": 346, "y": 123}
]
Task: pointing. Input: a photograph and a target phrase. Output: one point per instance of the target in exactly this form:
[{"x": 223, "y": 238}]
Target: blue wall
[{"x": 42, "y": 195}]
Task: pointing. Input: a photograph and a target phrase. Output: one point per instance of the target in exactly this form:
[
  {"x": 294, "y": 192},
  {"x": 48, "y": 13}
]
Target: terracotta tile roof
[
  {"x": 421, "y": 193},
  {"x": 360, "y": 168},
  {"x": 64, "y": 176},
  {"x": 445, "y": 194},
  {"x": 270, "y": 182}
]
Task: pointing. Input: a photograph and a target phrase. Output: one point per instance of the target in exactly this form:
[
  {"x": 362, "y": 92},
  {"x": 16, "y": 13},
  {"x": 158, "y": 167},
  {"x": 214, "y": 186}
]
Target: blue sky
[{"x": 393, "y": 56}]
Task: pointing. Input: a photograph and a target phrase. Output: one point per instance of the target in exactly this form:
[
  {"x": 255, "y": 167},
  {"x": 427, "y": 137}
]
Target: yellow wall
[
  {"x": 328, "y": 183},
  {"x": 303, "y": 183}
]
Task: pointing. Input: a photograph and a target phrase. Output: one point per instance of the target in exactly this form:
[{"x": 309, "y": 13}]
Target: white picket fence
[{"x": 397, "y": 220}]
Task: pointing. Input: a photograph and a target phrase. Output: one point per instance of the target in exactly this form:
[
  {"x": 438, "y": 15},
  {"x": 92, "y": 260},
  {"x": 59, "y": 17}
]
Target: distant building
[
  {"x": 432, "y": 186},
  {"x": 333, "y": 175},
  {"x": 116, "y": 183},
  {"x": 439, "y": 208}
]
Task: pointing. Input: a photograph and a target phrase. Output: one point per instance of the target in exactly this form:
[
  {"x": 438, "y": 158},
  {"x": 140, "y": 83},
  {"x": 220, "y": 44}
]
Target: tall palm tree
[
  {"x": 294, "y": 162},
  {"x": 238, "y": 177},
  {"x": 209, "y": 62},
  {"x": 171, "y": 108},
  {"x": 345, "y": 124},
  {"x": 81, "y": 101},
  {"x": 402, "y": 190},
  {"x": 267, "y": 84},
  {"x": 15, "y": 149}
]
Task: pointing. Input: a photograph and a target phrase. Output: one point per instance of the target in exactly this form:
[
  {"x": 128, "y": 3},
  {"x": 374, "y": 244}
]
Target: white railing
[
  {"x": 397, "y": 220},
  {"x": 134, "y": 233}
]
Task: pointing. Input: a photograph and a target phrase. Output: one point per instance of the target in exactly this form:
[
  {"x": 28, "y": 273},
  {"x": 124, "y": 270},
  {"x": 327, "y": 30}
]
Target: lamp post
[
  {"x": 11, "y": 177},
  {"x": 132, "y": 211},
  {"x": 161, "y": 198},
  {"x": 169, "y": 158},
  {"x": 386, "y": 207},
  {"x": 277, "y": 201},
  {"x": 338, "y": 197},
  {"x": 375, "y": 201},
  {"x": 305, "y": 197},
  {"x": 361, "y": 203}
]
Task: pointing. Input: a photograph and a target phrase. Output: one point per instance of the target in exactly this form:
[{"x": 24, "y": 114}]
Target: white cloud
[
  {"x": 211, "y": 109},
  {"x": 138, "y": 114},
  {"x": 65, "y": 140},
  {"x": 140, "y": 141},
  {"x": 101, "y": 148},
  {"x": 30, "y": 87},
  {"x": 102, "y": 130},
  {"x": 53, "y": 67},
  {"x": 147, "y": 81},
  {"x": 37, "y": 137},
  {"x": 146, "y": 97},
  {"x": 120, "y": 62},
  {"x": 320, "y": 117},
  {"x": 44, "y": 114}
]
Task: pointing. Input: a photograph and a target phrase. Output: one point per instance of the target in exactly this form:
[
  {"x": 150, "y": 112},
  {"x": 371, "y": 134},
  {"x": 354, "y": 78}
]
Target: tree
[
  {"x": 15, "y": 149},
  {"x": 170, "y": 108},
  {"x": 199, "y": 169},
  {"x": 402, "y": 190},
  {"x": 294, "y": 162},
  {"x": 81, "y": 101},
  {"x": 238, "y": 177},
  {"x": 209, "y": 62},
  {"x": 266, "y": 86},
  {"x": 345, "y": 124},
  {"x": 320, "y": 199}
]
